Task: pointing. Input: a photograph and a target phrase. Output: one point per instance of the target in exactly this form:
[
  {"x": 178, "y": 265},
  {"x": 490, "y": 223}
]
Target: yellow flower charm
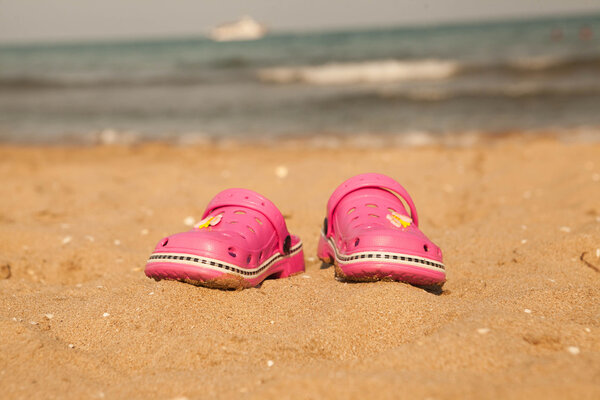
[
  {"x": 209, "y": 221},
  {"x": 399, "y": 220}
]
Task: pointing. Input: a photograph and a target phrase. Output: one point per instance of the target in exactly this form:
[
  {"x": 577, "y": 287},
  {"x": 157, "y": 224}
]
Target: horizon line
[{"x": 16, "y": 43}]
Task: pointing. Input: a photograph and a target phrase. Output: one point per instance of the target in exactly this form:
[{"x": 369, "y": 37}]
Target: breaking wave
[
  {"x": 361, "y": 72},
  {"x": 388, "y": 71}
]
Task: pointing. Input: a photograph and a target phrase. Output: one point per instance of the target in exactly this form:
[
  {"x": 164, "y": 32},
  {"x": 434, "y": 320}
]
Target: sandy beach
[{"x": 518, "y": 221}]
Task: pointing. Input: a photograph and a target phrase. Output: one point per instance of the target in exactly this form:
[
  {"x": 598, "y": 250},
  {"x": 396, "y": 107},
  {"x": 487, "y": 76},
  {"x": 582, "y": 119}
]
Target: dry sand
[{"x": 519, "y": 316}]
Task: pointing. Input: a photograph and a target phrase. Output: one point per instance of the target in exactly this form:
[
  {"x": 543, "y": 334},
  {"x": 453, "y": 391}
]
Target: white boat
[{"x": 245, "y": 28}]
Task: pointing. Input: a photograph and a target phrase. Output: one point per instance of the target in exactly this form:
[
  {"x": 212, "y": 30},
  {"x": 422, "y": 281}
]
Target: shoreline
[{"x": 110, "y": 137}]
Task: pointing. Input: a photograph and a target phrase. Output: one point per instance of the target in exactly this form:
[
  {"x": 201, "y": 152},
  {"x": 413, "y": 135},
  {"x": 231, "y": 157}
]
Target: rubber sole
[
  {"x": 213, "y": 273},
  {"x": 378, "y": 265}
]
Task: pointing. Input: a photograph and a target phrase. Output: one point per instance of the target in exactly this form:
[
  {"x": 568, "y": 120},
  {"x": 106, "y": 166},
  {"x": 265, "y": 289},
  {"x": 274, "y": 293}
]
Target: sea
[{"x": 527, "y": 75}]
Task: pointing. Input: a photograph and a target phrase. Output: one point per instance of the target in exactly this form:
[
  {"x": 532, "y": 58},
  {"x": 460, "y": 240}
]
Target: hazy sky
[{"x": 33, "y": 20}]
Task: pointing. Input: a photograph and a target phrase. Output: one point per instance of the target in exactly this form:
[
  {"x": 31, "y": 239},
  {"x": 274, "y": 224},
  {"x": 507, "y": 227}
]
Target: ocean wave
[
  {"x": 361, "y": 72},
  {"x": 539, "y": 65},
  {"x": 68, "y": 82},
  {"x": 534, "y": 63},
  {"x": 389, "y": 71},
  {"x": 446, "y": 94},
  {"x": 334, "y": 73},
  {"x": 514, "y": 91}
]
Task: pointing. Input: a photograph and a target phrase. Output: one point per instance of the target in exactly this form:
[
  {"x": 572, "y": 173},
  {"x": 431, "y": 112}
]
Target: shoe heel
[
  {"x": 293, "y": 265},
  {"x": 324, "y": 250}
]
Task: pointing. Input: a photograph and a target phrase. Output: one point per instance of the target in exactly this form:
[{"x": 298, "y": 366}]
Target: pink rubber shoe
[
  {"x": 241, "y": 241},
  {"x": 369, "y": 235}
]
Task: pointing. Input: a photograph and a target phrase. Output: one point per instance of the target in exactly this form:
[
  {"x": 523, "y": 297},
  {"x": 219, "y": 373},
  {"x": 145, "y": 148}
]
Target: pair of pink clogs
[{"x": 368, "y": 235}]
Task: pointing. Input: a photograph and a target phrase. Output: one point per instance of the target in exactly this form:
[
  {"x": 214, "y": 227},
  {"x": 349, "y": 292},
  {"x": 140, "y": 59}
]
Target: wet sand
[{"x": 519, "y": 317}]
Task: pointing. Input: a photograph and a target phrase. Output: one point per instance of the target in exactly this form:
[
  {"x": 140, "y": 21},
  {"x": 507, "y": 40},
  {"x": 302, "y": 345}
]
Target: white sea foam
[
  {"x": 536, "y": 63},
  {"x": 362, "y": 72}
]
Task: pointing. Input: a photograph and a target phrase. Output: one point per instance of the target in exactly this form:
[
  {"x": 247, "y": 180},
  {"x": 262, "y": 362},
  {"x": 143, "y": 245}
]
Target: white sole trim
[
  {"x": 386, "y": 257},
  {"x": 218, "y": 265}
]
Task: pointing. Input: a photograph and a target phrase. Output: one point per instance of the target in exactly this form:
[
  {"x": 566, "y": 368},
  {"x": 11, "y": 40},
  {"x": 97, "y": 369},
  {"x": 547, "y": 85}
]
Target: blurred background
[{"x": 76, "y": 70}]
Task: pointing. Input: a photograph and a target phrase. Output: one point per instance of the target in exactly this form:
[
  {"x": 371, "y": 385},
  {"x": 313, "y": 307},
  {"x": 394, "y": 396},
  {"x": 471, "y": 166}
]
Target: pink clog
[
  {"x": 369, "y": 235},
  {"x": 241, "y": 241}
]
